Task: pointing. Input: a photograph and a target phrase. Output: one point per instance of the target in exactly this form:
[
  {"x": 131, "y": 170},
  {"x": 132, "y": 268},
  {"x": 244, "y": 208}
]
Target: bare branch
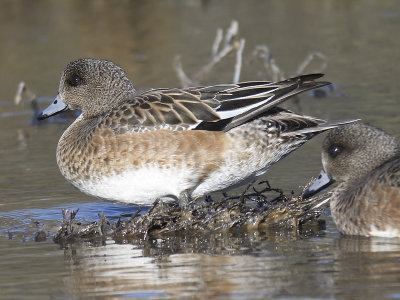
[
  {"x": 23, "y": 91},
  {"x": 231, "y": 33},
  {"x": 215, "y": 60},
  {"x": 230, "y": 44},
  {"x": 309, "y": 58},
  {"x": 238, "y": 65},
  {"x": 273, "y": 71},
  {"x": 217, "y": 42},
  {"x": 183, "y": 78}
]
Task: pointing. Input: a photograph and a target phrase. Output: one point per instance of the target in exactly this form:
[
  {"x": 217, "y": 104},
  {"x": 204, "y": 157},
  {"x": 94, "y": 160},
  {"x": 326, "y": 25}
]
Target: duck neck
[{"x": 96, "y": 106}]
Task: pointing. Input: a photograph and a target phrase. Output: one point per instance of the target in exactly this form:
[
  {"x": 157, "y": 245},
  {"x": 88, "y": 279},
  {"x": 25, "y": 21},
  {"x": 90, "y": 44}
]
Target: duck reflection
[{"x": 236, "y": 264}]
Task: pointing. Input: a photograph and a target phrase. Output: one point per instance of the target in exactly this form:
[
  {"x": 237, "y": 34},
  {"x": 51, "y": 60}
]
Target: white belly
[
  {"x": 141, "y": 186},
  {"x": 145, "y": 185},
  {"x": 389, "y": 232}
]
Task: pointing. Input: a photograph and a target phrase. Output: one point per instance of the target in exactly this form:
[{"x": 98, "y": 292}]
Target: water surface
[{"x": 38, "y": 38}]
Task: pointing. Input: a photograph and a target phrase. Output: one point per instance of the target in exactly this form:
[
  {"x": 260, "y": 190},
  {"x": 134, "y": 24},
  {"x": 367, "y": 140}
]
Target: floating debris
[{"x": 251, "y": 211}]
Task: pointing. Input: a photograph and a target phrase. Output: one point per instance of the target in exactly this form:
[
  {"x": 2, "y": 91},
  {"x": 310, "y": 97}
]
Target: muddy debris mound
[{"x": 248, "y": 212}]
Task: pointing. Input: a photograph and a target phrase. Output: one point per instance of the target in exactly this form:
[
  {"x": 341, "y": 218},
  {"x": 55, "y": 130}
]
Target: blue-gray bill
[
  {"x": 320, "y": 183},
  {"x": 56, "y": 107}
]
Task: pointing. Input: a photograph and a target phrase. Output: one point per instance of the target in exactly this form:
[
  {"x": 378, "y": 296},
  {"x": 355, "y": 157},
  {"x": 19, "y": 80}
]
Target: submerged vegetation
[{"x": 250, "y": 211}]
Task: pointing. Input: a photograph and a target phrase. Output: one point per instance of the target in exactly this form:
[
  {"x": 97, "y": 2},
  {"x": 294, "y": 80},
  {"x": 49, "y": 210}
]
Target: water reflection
[
  {"x": 367, "y": 266},
  {"x": 241, "y": 265},
  {"x": 203, "y": 266},
  {"x": 361, "y": 42}
]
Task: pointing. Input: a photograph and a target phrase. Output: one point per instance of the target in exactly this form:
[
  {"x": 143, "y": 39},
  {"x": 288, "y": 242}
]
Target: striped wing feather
[{"x": 219, "y": 107}]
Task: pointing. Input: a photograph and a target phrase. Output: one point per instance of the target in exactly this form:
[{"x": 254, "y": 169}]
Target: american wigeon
[
  {"x": 365, "y": 161},
  {"x": 173, "y": 143}
]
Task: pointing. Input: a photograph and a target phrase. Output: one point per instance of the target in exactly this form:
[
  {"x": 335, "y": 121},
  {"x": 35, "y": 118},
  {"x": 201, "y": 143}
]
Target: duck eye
[
  {"x": 75, "y": 80},
  {"x": 335, "y": 150}
]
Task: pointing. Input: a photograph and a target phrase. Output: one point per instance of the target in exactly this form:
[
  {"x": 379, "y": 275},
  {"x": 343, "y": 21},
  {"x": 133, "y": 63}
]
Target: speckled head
[
  {"x": 351, "y": 151},
  {"x": 94, "y": 86}
]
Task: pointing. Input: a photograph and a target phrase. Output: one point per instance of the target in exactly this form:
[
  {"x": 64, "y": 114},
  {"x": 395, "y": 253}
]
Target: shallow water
[{"x": 37, "y": 39}]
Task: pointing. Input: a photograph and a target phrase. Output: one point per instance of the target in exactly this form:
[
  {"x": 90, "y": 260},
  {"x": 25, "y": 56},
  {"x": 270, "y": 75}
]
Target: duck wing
[{"x": 217, "y": 108}]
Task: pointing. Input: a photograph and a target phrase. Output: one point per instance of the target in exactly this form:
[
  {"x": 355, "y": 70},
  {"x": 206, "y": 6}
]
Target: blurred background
[{"x": 359, "y": 41}]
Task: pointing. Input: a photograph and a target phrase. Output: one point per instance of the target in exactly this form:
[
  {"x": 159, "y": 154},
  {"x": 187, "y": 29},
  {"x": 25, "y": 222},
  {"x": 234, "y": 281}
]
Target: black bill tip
[
  {"x": 319, "y": 184},
  {"x": 42, "y": 116}
]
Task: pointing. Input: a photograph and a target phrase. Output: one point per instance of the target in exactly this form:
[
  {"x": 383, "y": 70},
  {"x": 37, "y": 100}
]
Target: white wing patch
[{"x": 232, "y": 113}]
